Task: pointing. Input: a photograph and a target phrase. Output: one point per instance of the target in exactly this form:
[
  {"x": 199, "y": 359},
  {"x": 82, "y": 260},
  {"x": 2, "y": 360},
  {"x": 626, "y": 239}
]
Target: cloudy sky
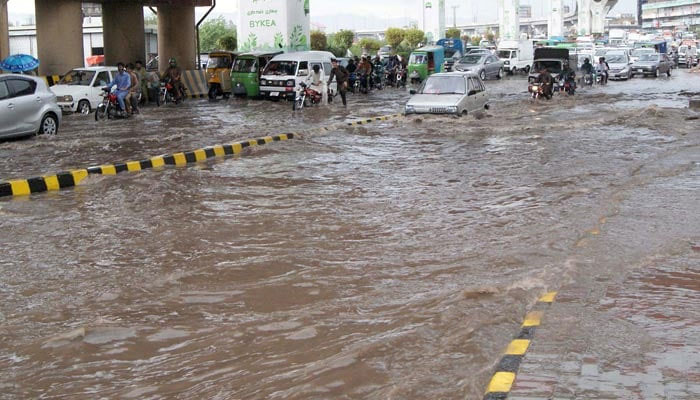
[{"x": 407, "y": 9}]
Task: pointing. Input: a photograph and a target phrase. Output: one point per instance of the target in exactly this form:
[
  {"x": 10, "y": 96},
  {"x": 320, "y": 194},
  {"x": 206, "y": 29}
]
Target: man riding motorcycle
[
  {"x": 568, "y": 77},
  {"x": 603, "y": 69},
  {"x": 174, "y": 75},
  {"x": 364, "y": 70},
  {"x": 123, "y": 82},
  {"x": 587, "y": 69},
  {"x": 547, "y": 81}
]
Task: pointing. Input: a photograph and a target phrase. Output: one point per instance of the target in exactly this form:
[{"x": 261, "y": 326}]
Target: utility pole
[
  {"x": 424, "y": 16},
  {"x": 454, "y": 15}
]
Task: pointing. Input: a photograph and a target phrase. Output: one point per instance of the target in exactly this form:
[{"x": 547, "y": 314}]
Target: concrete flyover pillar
[
  {"x": 555, "y": 21},
  {"x": 599, "y": 11},
  {"x": 584, "y": 17},
  {"x": 4, "y": 31},
  {"x": 124, "y": 37},
  {"x": 509, "y": 19},
  {"x": 176, "y": 36},
  {"x": 59, "y": 35}
]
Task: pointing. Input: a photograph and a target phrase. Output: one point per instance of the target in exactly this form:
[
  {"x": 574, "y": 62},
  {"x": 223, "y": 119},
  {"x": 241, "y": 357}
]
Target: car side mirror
[
  {"x": 472, "y": 92},
  {"x": 412, "y": 91},
  {"x": 303, "y": 72}
]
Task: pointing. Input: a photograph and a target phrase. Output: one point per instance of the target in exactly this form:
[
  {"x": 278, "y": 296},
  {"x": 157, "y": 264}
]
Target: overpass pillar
[
  {"x": 59, "y": 35},
  {"x": 584, "y": 17},
  {"x": 176, "y": 36},
  {"x": 4, "y": 31},
  {"x": 124, "y": 36},
  {"x": 555, "y": 23},
  {"x": 509, "y": 19},
  {"x": 599, "y": 11}
]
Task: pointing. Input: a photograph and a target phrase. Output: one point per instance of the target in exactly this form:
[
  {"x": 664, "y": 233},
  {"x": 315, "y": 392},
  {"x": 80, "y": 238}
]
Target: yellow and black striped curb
[
  {"x": 504, "y": 377},
  {"x": 361, "y": 122},
  {"x": 22, "y": 187}
]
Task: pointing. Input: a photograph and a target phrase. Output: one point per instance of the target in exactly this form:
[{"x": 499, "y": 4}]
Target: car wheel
[
  {"x": 464, "y": 113},
  {"x": 482, "y": 75},
  {"x": 487, "y": 106},
  {"x": 668, "y": 72},
  {"x": 49, "y": 125},
  {"x": 500, "y": 73},
  {"x": 656, "y": 73},
  {"x": 84, "y": 107}
]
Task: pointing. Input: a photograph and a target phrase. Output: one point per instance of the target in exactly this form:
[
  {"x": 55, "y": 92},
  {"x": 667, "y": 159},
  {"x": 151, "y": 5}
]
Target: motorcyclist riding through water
[
  {"x": 587, "y": 69},
  {"x": 568, "y": 79},
  {"x": 174, "y": 74},
  {"x": 547, "y": 81},
  {"x": 363, "y": 73},
  {"x": 603, "y": 69},
  {"x": 123, "y": 82}
]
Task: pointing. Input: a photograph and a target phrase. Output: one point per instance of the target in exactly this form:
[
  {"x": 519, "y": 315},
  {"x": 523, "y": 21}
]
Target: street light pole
[{"x": 454, "y": 15}]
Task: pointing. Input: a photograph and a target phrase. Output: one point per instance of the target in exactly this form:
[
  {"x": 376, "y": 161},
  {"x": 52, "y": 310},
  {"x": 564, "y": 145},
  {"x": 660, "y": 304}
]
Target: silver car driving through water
[
  {"x": 484, "y": 65},
  {"x": 27, "y": 107},
  {"x": 457, "y": 93}
]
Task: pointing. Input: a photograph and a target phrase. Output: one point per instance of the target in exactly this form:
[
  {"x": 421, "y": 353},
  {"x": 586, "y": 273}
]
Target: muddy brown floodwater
[{"x": 388, "y": 261}]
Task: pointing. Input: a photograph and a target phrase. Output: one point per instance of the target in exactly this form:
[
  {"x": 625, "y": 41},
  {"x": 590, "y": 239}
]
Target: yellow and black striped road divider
[
  {"x": 51, "y": 79},
  {"x": 22, "y": 187},
  {"x": 361, "y": 122},
  {"x": 507, "y": 369},
  {"x": 195, "y": 81},
  {"x": 48, "y": 183}
]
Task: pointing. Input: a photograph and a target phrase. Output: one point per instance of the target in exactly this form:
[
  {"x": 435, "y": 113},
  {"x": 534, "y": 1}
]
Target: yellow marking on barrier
[
  {"x": 180, "y": 159},
  {"x": 501, "y": 382},
  {"x": 603, "y": 220},
  {"x": 268, "y": 139},
  {"x": 200, "y": 155},
  {"x": 594, "y": 232},
  {"x": 56, "y": 79},
  {"x": 518, "y": 347},
  {"x": 157, "y": 161},
  {"x": 79, "y": 175},
  {"x": 252, "y": 142},
  {"x": 237, "y": 148},
  {"x": 219, "y": 151},
  {"x": 548, "y": 297},
  {"x": 533, "y": 318},
  {"x": 20, "y": 187},
  {"x": 52, "y": 183},
  {"x": 133, "y": 166},
  {"x": 108, "y": 170},
  {"x": 283, "y": 137}
]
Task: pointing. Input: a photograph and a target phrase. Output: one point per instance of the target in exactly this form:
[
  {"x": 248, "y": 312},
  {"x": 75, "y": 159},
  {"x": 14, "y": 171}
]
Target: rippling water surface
[{"x": 392, "y": 260}]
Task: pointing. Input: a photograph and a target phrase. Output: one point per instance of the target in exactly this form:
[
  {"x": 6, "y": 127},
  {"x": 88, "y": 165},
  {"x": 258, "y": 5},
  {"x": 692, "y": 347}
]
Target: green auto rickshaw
[
  {"x": 246, "y": 71},
  {"x": 425, "y": 62}
]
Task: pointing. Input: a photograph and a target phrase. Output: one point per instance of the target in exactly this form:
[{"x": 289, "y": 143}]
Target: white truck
[
  {"x": 516, "y": 55},
  {"x": 617, "y": 37}
]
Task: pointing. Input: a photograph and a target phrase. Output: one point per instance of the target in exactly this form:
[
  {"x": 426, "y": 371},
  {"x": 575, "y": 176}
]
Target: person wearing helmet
[
  {"x": 587, "y": 67},
  {"x": 174, "y": 75}
]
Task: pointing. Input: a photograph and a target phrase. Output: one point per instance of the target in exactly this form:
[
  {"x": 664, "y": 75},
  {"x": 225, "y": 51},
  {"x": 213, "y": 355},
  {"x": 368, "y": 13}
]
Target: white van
[
  {"x": 80, "y": 89},
  {"x": 516, "y": 55},
  {"x": 284, "y": 73}
]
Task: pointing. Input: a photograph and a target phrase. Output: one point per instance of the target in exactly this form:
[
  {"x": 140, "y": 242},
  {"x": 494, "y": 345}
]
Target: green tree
[
  {"x": 453, "y": 33},
  {"x": 344, "y": 38},
  {"x": 370, "y": 45},
  {"x": 227, "y": 42},
  {"x": 213, "y": 30},
  {"x": 490, "y": 36},
  {"x": 394, "y": 37},
  {"x": 476, "y": 39},
  {"x": 414, "y": 37},
  {"x": 319, "y": 41}
]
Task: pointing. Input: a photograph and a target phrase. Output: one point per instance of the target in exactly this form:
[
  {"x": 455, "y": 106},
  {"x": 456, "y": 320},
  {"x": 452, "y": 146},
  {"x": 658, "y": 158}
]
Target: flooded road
[{"x": 388, "y": 261}]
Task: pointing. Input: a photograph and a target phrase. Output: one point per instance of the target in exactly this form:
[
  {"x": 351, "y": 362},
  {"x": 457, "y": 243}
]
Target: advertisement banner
[{"x": 265, "y": 25}]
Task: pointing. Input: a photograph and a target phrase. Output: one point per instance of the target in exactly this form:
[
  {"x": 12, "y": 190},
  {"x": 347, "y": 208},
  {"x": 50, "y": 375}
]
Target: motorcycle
[
  {"x": 167, "y": 94},
  {"x": 109, "y": 106},
  {"x": 569, "y": 87},
  {"x": 377, "y": 81},
  {"x": 306, "y": 96},
  {"x": 353, "y": 83},
  {"x": 588, "y": 79},
  {"x": 401, "y": 78},
  {"x": 537, "y": 90},
  {"x": 362, "y": 83}
]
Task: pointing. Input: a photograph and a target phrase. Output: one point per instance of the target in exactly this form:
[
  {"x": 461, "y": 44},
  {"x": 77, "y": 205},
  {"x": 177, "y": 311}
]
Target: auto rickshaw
[
  {"x": 218, "y": 71},
  {"x": 246, "y": 71},
  {"x": 425, "y": 62}
]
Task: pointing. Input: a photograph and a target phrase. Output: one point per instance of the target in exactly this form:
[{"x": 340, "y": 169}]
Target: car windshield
[
  {"x": 552, "y": 66},
  {"x": 616, "y": 58},
  {"x": 478, "y": 51},
  {"x": 640, "y": 52},
  {"x": 219, "y": 62},
  {"x": 472, "y": 59},
  {"x": 418, "y": 59},
  {"x": 649, "y": 57},
  {"x": 504, "y": 53},
  {"x": 245, "y": 65},
  {"x": 78, "y": 77},
  {"x": 281, "y": 68},
  {"x": 451, "y": 53},
  {"x": 601, "y": 52},
  {"x": 444, "y": 85}
]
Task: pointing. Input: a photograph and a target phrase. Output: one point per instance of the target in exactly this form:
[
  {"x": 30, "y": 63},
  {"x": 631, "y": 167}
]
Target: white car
[
  {"x": 457, "y": 93},
  {"x": 79, "y": 90},
  {"x": 27, "y": 107}
]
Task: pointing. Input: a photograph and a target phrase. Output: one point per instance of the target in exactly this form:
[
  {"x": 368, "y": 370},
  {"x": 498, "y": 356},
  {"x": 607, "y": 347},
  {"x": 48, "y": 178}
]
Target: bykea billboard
[{"x": 273, "y": 25}]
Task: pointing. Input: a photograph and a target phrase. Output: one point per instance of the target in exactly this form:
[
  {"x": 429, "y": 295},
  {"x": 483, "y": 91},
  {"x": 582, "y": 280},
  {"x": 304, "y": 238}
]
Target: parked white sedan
[
  {"x": 457, "y": 93},
  {"x": 80, "y": 89},
  {"x": 27, "y": 107}
]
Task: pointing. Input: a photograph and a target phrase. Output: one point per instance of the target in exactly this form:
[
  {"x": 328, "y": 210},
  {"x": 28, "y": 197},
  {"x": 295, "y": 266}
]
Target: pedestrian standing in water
[{"x": 341, "y": 76}]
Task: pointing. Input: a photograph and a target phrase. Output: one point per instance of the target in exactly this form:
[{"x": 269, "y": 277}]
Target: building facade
[{"x": 670, "y": 14}]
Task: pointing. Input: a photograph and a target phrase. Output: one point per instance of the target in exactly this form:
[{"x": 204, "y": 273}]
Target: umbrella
[{"x": 19, "y": 63}]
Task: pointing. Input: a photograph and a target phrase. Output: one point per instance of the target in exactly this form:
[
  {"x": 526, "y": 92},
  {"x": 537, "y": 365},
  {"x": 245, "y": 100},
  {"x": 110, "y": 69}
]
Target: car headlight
[
  {"x": 67, "y": 99},
  {"x": 410, "y": 109},
  {"x": 291, "y": 82},
  {"x": 452, "y": 109},
  {"x": 263, "y": 82}
]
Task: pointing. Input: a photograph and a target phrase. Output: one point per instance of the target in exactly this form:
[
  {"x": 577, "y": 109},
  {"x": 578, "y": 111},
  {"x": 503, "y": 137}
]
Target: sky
[{"x": 408, "y": 9}]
